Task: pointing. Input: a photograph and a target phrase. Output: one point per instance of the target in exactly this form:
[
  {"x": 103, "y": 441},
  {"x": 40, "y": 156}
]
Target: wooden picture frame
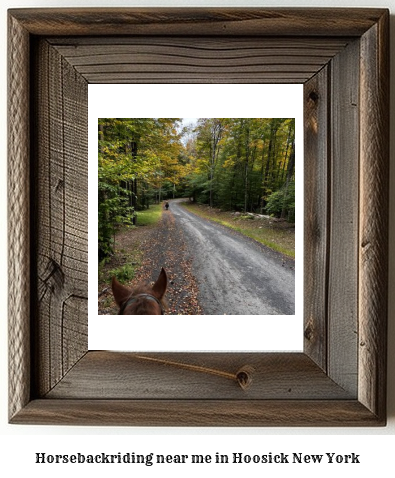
[{"x": 342, "y": 58}]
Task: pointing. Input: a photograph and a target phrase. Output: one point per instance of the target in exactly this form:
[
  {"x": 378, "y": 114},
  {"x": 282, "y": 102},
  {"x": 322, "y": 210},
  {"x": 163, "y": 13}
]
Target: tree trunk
[{"x": 290, "y": 172}]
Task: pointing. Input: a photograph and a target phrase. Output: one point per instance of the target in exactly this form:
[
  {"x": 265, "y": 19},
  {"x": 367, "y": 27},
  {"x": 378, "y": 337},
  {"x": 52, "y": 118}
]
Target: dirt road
[
  {"x": 212, "y": 269},
  {"x": 235, "y": 275}
]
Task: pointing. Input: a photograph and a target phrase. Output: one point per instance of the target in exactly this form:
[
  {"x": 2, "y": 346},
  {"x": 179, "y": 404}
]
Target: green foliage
[
  {"x": 135, "y": 157},
  {"x": 282, "y": 203},
  {"x": 198, "y": 188},
  {"x": 230, "y": 163},
  {"x": 242, "y": 166},
  {"x": 123, "y": 274},
  {"x": 113, "y": 211}
]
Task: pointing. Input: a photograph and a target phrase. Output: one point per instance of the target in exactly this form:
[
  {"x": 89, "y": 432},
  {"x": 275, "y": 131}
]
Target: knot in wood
[
  {"x": 313, "y": 96},
  {"x": 308, "y": 332}
]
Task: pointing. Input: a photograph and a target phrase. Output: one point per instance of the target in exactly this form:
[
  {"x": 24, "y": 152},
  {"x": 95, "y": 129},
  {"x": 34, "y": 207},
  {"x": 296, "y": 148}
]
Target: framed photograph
[
  {"x": 213, "y": 271},
  {"x": 341, "y": 59}
]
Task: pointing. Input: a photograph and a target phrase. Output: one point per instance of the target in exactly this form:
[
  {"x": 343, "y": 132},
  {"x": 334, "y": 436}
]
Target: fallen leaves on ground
[{"x": 162, "y": 245}]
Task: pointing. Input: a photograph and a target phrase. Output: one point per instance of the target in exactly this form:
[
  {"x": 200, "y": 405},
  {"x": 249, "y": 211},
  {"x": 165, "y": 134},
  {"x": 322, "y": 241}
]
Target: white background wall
[{"x": 20, "y": 443}]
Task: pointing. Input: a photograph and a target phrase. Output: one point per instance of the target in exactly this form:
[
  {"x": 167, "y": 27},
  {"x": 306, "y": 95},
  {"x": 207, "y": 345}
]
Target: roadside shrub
[
  {"x": 282, "y": 203},
  {"x": 123, "y": 274}
]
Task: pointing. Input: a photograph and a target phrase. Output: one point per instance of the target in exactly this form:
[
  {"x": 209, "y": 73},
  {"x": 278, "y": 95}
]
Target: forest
[{"x": 235, "y": 164}]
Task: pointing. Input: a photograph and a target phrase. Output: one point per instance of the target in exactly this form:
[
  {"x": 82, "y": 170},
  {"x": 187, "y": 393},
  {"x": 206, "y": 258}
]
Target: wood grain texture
[
  {"x": 202, "y": 413},
  {"x": 373, "y": 233},
  {"x": 196, "y": 376},
  {"x": 18, "y": 218},
  {"x": 61, "y": 198},
  {"x": 224, "y": 60},
  {"x": 48, "y": 265},
  {"x": 344, "y": 216},
  {"x": 316, "y": 214},
  {"x": 201, "y": 22}
]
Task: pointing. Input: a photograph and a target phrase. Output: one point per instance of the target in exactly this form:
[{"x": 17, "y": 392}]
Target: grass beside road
[
  {"x": 279, "y": 236},
  {"x": 150, "y": 216}
]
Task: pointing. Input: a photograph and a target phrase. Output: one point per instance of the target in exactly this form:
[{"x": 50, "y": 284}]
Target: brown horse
[{"x": 143, "y": 300}]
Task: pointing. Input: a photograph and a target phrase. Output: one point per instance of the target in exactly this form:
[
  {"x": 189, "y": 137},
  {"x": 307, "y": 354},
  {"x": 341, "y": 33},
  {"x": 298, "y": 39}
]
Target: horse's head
[{"x": 143, "y": 300}]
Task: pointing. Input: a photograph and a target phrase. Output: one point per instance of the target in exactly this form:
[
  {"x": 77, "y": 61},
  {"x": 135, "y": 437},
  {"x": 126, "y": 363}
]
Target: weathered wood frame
[{"x": 342, "y": 57}]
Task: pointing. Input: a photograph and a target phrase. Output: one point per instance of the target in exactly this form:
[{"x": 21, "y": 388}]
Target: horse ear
[
  {"x": 120, "y": 292},
  {"x": 160, "y": 286}
]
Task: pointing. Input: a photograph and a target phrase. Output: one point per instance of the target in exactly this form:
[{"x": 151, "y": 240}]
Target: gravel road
[{"x": 235, "y": 275}]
